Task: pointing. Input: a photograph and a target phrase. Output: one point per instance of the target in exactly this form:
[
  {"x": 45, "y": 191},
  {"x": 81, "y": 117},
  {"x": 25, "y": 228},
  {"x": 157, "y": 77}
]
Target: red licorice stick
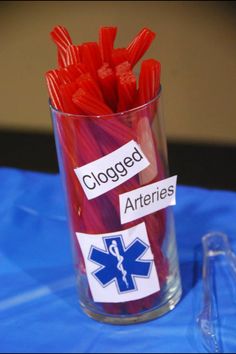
[
  {"x": 145, "y": 139},
  {"x": 114, "y": 309},
  {"x": 107, "y": 37},
  {"x": 88, "y": 84},
  {"x": 74, "y": 71},
  {"x": 89, "y": 104},
  {"x": 117, "y": 129},
  {"x": 86, "y": 151},
  {"x": 105, "y": 217},
  {"x": 72, "y": 55},
  {"x": 88, "y": 142},
  {"x": 91, "y": 57},
  {"x": 126, "y": 91},
  {"x": 92, "y": 216},
  {"x": 126, "y": 87},
  {"x": 61, "y": 61},
  {"x": 67, "y": 90},
  {"x": 123, "y": 101},
  {"x": 56, "y": 75},
  {"x": 93, "y": 152},
  {"x": 122, "y": 68},
  {"x": 65, "y": 75},
  {"x": 71, "y": 72},
  {"x": 119, "y": 55},
  {"x": 107, "y": 81},
  {"x": 89, "y": 209},
  {"x": 107, "y": 134},
  {"x": 139, "y": 45},
  {"x": 53, "y": 81},
  {"x": 106, "y": 139},
  {"x": 62, "y": 39},
  {"x": 149, "y": 81},
  {"x": 80, "y": 68},
  {"x": 71, "y": 160}
]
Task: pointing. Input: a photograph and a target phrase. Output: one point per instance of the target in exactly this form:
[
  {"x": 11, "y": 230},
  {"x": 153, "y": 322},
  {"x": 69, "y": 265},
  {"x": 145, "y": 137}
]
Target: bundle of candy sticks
[{"x": 98, "y": 97}]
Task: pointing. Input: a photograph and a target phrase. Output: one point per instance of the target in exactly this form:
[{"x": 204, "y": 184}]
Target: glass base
[{"x": 142, "y": 317}]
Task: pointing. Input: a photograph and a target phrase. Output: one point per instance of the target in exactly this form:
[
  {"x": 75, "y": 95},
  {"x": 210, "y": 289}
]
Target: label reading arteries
[
  {"x": 120, "y": 265},
  {"x": 108, "y": 172},
  {"x": 148, "y": 199}
]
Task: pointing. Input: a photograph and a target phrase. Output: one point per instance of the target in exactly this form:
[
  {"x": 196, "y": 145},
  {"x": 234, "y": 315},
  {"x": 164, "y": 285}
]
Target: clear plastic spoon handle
[{"x": 215, "y": 246}]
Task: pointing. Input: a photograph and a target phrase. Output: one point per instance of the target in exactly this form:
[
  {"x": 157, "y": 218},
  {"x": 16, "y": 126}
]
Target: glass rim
[{"x": 112, "y": 115}]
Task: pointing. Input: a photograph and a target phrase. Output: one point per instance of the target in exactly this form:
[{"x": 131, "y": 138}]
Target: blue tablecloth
[{"x": 39, "y": 309}]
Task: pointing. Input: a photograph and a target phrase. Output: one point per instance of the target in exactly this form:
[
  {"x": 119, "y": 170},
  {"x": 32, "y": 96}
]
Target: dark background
[
  {"x": 195, "y": 44},
  {"x": 198, "y": 164}
]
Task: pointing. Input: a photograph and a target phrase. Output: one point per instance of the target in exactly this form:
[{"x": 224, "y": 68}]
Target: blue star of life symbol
[{"x": 120, "y": 264}]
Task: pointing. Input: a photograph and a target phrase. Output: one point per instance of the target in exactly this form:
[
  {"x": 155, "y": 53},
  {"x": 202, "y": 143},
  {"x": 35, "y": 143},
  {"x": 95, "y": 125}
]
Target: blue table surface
[{"x": 39, "y": 309}]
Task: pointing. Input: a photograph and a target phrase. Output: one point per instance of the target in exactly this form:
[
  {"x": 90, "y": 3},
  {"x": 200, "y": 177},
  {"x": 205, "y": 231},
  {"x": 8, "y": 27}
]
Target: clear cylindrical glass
[{"x": 127, "y": 271}]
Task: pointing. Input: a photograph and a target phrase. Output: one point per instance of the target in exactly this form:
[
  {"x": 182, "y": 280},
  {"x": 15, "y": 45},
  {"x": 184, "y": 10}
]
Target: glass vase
[{"x": 119, "y": 196}]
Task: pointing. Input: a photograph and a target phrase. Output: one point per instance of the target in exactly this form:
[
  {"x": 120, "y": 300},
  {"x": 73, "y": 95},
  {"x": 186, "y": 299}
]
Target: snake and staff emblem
[
  {"x": 113, "y": 249},
  {"x": 120, "y": 264}
]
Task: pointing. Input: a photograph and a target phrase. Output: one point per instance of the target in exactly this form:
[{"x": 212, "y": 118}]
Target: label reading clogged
[
  {"x": 120, "y": 265},
  {"x": 108, "y": 172},
  {"x": 148, "y": 199}
]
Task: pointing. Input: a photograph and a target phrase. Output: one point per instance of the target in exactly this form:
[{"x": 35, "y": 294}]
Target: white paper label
[
  {"x": 148, "y": 199},
  {"x": 108, "y": 172},
  {"x": 119, "y": 265}
]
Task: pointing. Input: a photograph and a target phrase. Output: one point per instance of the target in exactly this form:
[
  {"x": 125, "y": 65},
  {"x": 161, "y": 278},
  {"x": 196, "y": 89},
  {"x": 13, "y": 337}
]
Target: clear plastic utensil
[{"x": 219, "y": 272}]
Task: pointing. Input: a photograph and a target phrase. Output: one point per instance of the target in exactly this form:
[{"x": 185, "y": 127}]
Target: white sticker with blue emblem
[{"x": 119, "y": 265}]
